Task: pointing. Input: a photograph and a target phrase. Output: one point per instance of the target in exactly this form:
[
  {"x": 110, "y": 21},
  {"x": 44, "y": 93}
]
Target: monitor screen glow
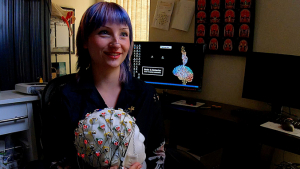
[{"x": 169, "y": 65}]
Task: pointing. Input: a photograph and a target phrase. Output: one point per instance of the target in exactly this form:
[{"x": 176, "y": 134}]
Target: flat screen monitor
[
  {"x": 273, "y": 78},
  {"x": 169, "y": 65}
]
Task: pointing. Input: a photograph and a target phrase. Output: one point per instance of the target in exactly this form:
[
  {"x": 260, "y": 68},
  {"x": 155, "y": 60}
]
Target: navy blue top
[{"x": 76, "y": 98}]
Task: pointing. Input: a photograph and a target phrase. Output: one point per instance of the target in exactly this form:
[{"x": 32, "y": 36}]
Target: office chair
[
  {"x": 46, "y": 97},
  {"x": 53, "y": 86}
]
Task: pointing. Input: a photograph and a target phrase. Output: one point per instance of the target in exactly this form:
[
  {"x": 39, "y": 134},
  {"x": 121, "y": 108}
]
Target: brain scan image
[{"x": 184, "y": 73}]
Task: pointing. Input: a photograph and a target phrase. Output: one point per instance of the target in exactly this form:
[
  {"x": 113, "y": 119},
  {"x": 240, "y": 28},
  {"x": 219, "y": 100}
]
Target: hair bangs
[{"x": 109, "y": 13}]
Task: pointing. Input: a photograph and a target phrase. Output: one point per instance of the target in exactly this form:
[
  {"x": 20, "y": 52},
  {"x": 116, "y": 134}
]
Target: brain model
[
  {"x": 109, "y": 137},
  {"x": 184, "y": 73}
]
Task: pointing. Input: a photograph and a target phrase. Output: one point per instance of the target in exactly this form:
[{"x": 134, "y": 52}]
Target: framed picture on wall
[{"x": 225, "y": 26}]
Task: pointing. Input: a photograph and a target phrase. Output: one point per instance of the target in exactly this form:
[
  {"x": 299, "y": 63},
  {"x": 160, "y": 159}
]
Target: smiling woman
[{"x": 104, "y": 46}]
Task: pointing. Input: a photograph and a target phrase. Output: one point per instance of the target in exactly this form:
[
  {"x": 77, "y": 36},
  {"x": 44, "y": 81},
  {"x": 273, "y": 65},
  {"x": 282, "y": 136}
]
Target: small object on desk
[
  {"x": 212, "y": 107},
  {"x": 287, "y": 125},
  {"x": 295, "y": 121},
  {"x": 205, "y": 107},
  {"x": 183, "y": 103},
  {"x": 30, "y": 88},
  {"x": 277, "y": 127},
  {"x": 216, "y": 107}
]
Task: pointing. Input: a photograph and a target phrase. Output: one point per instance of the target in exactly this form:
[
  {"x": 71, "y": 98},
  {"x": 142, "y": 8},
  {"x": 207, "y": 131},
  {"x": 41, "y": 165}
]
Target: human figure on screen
[{"x": 184, "y": 73}]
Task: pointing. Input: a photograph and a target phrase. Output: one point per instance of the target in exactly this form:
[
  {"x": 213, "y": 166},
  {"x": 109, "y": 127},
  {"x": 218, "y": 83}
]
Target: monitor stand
[
  {"x": 183, "y": 102},
  {"x": 189, "y": 104}
]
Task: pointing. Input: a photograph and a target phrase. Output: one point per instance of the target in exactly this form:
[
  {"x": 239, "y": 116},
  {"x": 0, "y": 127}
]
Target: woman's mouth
[{"x": 114, "y": 55}]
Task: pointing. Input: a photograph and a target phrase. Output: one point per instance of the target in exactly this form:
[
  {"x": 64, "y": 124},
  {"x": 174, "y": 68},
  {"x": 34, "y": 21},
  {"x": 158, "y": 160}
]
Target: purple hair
[{"x": 94, "y": 17}]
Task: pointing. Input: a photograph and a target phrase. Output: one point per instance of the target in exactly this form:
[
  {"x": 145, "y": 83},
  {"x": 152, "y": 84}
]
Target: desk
[
  {"x": 16, "y": 115},
  {"x": 280, "y": 139},
  {"x": 234, "y": 129},
  {"x": 228, "y": 119}
]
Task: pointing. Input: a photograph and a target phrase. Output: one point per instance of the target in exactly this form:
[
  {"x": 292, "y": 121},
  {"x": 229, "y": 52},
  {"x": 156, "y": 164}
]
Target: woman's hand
[{"x": 136, "y": 165}]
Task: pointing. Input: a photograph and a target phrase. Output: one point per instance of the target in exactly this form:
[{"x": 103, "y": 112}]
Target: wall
[
  {"x": 277, "y": 23},
  {"x": 80, "y": 8},
  {"x": 275, "y": 32}
]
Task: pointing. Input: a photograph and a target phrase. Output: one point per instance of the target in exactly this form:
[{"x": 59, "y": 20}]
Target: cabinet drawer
[{"x": 13, "y": 118}]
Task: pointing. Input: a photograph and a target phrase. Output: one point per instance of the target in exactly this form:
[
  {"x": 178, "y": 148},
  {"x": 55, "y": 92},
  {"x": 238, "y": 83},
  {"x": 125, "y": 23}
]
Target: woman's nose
[{"x": 115, "y": 44}]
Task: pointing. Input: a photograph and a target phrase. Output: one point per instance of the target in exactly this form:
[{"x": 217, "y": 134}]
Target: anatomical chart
[{"x": 163, "y": 13}]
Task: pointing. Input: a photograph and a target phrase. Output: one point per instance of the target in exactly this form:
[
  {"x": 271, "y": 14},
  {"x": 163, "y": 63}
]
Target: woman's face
[{"x": 108, "y": 45}]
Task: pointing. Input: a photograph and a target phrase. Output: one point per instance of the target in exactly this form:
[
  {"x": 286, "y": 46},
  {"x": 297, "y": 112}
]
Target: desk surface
[
  {"x": 12, "y": 96},
  {"x": 229, "y": 113},
  {"x": 277, "y": 127},
  {"x": 244, "y": 121}
]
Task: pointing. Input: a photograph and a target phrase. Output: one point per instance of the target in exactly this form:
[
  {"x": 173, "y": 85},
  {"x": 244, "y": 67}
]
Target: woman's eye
[
  {"x": 103, "y": 32},
  {"x": 125, "y": 34}
]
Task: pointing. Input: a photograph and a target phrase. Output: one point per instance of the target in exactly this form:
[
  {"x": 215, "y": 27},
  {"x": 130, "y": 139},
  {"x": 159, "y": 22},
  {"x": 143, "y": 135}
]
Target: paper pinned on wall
[
  {"x": 163, "y": 13},
  {"x": 183, "y": 15}
]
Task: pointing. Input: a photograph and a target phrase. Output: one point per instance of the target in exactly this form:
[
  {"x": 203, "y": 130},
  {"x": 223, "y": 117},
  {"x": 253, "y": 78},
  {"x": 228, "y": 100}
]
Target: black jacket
[{"x": 76, "y": 98}]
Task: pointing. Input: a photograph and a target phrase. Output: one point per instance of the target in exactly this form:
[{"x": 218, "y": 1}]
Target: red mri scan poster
[{"x": 225, "y": 26}]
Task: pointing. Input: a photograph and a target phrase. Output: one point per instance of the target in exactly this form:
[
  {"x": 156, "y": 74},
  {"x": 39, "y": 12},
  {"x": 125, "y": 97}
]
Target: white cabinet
[{"x": 16, "y": 114}]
